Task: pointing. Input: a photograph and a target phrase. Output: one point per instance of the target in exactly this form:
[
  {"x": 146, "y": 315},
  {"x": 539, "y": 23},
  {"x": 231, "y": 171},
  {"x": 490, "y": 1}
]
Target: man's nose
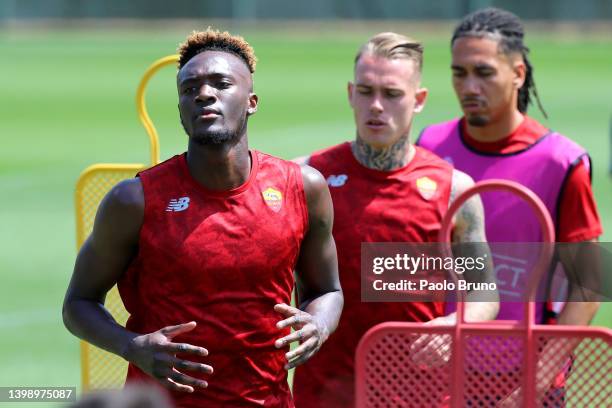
[
  {"x": 471, "y": 86},
  {"x": 206, "y": 94},
  {"x": 376, "y": 105}
]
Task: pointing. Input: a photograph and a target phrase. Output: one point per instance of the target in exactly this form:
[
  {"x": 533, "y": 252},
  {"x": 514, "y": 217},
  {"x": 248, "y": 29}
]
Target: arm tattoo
[
  {"x": 469, "y": 238},
  {"x": 469, "y": 223},
  {"x": 385, "y": 159},
  {"x": 454, "y": 187}
]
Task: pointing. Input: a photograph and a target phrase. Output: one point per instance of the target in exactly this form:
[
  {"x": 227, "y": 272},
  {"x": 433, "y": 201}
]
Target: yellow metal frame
[
  {"x": 101, "y": 168},
  {"x": 141, "y": 104}
]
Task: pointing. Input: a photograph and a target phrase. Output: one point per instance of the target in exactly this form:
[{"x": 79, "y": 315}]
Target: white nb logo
[
  {"x": 337, "y": 181},
  {"x": 179, "y": 204}
]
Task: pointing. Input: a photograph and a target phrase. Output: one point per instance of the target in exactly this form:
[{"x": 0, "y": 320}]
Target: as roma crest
[
  {"x": 273, "y": 198},
  {"x": 426, "y": 187}
]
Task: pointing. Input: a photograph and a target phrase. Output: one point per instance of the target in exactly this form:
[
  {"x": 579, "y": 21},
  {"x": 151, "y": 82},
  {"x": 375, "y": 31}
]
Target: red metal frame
[{"x": 527, "y": 329}]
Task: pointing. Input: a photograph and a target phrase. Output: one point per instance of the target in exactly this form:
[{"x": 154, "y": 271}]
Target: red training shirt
[
  {"x": 370, "y": 206},
  {"x": 222, "y": 259}
]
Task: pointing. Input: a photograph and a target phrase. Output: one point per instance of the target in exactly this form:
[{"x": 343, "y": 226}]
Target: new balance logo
[
  {"x": 180, "y": 204},
  {"x": 337, "y": 181}
]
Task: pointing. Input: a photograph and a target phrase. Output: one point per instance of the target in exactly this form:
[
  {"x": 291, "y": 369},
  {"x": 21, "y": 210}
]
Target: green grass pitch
[{"x": 68, "y": 102}]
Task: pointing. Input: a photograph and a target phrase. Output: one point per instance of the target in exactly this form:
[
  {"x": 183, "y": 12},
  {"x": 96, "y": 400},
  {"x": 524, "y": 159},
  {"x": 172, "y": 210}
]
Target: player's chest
[
  {"x": 206, "y": 228},
  {"x": 384, "y": 212}
]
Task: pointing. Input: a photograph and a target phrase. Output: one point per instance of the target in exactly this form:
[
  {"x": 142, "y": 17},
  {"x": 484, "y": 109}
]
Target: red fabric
[
  {"x": 523, "y": 136},
  {"x": 369, "y": 206},
  {"x": 224, "y": 261},
  {"x": 578, "y": 219}
]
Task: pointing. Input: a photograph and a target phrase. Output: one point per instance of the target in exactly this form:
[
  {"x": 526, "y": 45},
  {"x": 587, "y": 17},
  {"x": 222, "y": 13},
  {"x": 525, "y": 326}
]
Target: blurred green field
[{"x": 68, "y": 102}]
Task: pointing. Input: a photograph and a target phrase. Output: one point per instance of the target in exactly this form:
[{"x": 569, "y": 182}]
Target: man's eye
[
  {"x": 364, "y": 91},
  {"x": 457, "y": 74},
  {"x": 223, "y": 84},
  {"x": 485, "y": 74},
  {"x": 393, "y": 94}
]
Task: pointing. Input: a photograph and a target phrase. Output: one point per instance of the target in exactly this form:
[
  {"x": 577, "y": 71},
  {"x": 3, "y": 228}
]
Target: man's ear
[
  {"x": 253, "y": 101},
  {"x": 181, "y": 118},
  {"x": 520, "y": 72},
  {"x": 350, "y": 88},
  {"x": 420, "y": 98}
]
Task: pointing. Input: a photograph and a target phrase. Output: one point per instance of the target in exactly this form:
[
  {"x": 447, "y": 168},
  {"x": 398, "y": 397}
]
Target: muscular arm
[
  {"x": 579, "y": 221},
  {"x": 579, "y": 310},
  {"x": 471, "y": 241},
  {"x": 318, "y": 285},
  {"x": 102, "y": 260},
  {"x": 100, "y": 263},
  {"x": 582, "y": 303}
]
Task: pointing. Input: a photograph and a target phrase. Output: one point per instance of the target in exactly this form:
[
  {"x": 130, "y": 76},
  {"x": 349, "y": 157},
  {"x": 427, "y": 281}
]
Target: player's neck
[
  {"x": 498, "y": 129},
  {"x": 221, "y": 167},
  {"x": 388, "y": 158}
]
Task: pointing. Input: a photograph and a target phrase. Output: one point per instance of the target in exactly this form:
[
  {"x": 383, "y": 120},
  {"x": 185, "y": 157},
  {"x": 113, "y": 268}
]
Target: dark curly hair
[{"x": 214, "y": 40}]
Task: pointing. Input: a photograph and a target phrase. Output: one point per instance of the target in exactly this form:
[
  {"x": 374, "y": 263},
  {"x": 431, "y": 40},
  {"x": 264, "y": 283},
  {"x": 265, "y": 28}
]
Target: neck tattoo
[{"x": 385, "y": 159}]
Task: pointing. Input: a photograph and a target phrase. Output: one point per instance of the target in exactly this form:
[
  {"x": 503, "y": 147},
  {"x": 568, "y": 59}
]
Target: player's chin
[
  {"x": 376, "y": 140},
  {"x": 212, "y": 137},
  {"x": 476, "y": 119}
]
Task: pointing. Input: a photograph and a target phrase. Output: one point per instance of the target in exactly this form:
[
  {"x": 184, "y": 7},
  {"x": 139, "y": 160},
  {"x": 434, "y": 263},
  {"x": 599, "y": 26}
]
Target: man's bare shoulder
[
  {"x": 460, "y": 183},
  {"x": 119, "y": 218},
  {"x": 128, "y": 194},
  {"x": 469, "y": 219},
  {"x": 318, "y": 199},
  {"x": 314, "y": 182},
  {"x": 122, "y": 208}
]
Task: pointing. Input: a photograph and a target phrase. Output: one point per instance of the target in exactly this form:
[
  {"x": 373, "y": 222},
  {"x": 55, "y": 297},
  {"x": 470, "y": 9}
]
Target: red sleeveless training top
[
  {"x": 223, "y": 259},
  {"x": 404, "y": 205}
]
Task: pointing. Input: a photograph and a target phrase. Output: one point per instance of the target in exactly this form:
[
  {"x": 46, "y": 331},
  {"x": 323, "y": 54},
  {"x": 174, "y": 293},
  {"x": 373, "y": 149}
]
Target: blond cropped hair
[{"x": 393, "y": 46}]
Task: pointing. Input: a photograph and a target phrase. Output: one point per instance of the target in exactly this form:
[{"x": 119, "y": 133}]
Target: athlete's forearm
[
  {"x": 578, "y": 313},
  {"x": 480, "y": 311},
  {"x": 583, "y": 266},
  {"x": 326, "y": 310},
  {"x": 480, "y": 305},
  {"x": 475, "y": 312},
  {"x": 90, "y": 321}
]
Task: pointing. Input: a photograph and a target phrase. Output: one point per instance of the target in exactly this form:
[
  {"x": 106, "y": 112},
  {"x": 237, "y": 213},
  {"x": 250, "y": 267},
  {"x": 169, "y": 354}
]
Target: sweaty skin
[{"x": 215, "y": 101}]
